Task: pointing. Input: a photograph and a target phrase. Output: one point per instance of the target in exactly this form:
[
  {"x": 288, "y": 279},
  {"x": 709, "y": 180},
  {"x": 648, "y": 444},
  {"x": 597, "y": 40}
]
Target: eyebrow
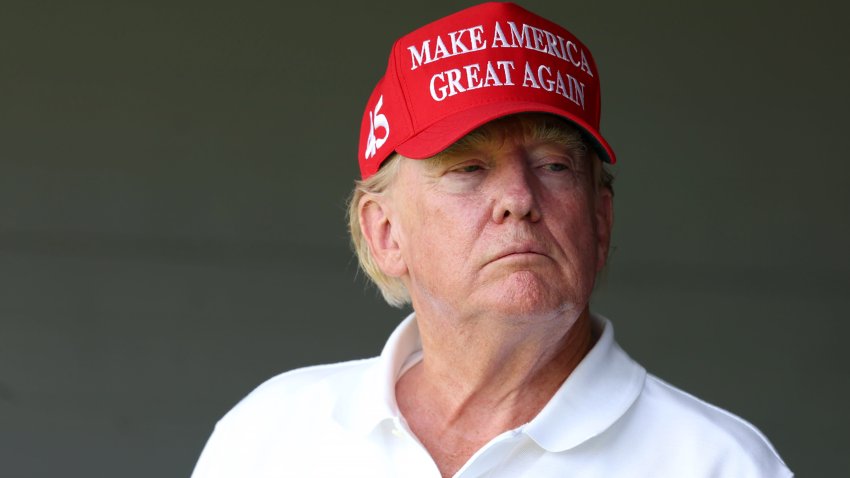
[{"x": 535, "y": 131}]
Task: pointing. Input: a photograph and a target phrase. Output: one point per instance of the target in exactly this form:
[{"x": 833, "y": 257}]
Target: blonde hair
[{"x": 534, "y": 125}]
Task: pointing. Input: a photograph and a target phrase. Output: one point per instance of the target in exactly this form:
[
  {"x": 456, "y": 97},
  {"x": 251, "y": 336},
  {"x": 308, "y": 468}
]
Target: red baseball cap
[{"x": 464, "y": 70}]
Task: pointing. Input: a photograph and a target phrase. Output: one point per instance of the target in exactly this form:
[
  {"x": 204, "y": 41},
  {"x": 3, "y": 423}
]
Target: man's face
[{"x": 512, "y": 223}]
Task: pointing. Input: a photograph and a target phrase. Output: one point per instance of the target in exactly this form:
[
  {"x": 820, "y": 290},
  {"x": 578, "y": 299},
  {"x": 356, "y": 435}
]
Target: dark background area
[{"x": 172, "y": 191}]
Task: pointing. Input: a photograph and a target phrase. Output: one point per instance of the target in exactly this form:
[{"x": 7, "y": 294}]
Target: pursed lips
[{"x": 520, "y": 249}]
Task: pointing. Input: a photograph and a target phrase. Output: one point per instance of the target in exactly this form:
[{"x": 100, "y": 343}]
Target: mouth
[{"x": 520, "y": 251}]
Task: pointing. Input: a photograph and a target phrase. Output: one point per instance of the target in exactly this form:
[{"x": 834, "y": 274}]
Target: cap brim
[{"x": 442, "y": 134}]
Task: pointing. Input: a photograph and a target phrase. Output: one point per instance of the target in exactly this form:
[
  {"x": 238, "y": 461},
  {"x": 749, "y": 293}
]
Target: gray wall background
[{"x": 172, "y": 186}]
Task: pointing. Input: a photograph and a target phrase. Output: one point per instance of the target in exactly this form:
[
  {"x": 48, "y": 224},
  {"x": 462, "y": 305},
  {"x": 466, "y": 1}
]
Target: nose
[{"x": 515, "y": 194}]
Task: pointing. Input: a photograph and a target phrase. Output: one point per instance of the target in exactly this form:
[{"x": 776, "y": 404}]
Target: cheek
[
  {"x": 575, "y": 224},
  {"x": 442, "y": 235}
]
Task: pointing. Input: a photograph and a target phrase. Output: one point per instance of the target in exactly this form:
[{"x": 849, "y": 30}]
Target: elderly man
[{"x": 484, "y": 204}]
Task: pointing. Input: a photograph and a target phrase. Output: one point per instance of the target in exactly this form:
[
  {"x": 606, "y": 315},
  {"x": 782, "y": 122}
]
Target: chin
[{"x": 526, "y": 296}]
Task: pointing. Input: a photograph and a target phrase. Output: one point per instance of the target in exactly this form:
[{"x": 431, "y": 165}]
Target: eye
[
  {"x": 556, "y": 167},
  {"x": 467, "y": 168}
]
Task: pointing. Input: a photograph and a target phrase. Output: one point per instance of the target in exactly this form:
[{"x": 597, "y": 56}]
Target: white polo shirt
[{"x": 608, "y": 419}]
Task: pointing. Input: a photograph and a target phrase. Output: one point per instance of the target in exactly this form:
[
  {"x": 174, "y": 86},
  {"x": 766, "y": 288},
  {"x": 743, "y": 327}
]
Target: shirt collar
[
  {"x": 595, "y": 395},
  {"x": 372, "y": 400}
]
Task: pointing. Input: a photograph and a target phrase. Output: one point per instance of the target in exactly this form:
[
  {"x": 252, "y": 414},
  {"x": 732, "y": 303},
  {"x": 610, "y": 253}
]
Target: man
[{"x": 485, "y": 205}]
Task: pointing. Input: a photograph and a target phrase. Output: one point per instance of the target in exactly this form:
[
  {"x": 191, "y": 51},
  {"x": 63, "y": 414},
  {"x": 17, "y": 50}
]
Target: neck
[
  {"x": 477, "y": 380},
  {"x": 480, "y": 362}
]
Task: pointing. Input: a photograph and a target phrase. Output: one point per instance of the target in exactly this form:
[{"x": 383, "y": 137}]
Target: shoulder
[
  {"x": 705, "y": 435},
  {"x": 318, "y": 386},
  {"x": 683, "y": 412},
  {"x": 284, "y": 414}
]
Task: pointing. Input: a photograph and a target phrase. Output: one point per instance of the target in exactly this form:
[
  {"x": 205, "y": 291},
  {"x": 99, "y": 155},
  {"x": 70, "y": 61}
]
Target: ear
[
  {"x": 604, "y": 224},
  {"x": 378, "y": 229}
]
